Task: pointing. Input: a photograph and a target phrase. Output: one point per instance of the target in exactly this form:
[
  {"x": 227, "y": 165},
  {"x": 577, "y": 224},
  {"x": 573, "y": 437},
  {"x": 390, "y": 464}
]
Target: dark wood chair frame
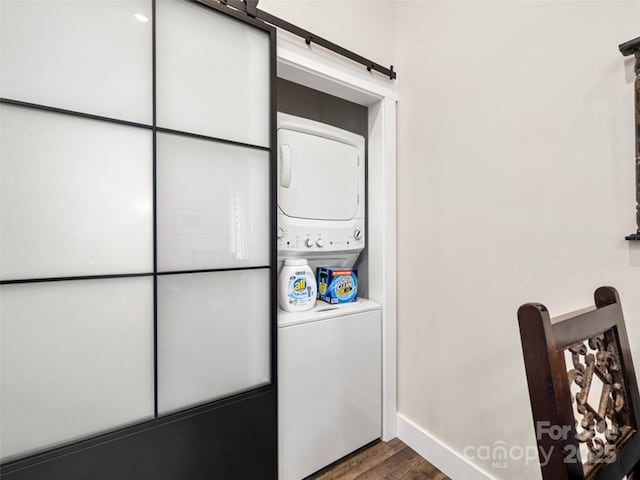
[{"x": 544, "y": 343}]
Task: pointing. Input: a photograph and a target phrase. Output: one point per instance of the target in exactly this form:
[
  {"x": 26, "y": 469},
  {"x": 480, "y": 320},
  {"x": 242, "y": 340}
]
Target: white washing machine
[
  {"x": 329, "y": 384},
  {"x": 329, "y": 359}
]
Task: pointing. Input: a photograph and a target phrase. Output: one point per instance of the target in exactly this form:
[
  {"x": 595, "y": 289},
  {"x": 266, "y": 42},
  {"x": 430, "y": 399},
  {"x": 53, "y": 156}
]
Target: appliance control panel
[{"x": 318, "y": 239}]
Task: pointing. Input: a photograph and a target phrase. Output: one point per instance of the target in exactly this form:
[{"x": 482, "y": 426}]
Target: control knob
[
  {"x": 357, "y": 234},
  {"x": 309, "y": 243},
  {"x": 319, "y": 243}
]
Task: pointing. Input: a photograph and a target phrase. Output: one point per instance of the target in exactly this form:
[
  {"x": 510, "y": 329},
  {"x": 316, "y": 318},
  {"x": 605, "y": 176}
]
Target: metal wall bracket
[
  {"x": 251, "y": 7},
  {"x": 632, "y": 47}
]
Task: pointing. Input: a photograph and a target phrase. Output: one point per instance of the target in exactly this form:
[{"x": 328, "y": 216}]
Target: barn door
[{"x": 137, "y": 267}]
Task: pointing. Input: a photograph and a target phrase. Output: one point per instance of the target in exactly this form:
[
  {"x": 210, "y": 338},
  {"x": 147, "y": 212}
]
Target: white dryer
[{"x": 321, "y": 192}]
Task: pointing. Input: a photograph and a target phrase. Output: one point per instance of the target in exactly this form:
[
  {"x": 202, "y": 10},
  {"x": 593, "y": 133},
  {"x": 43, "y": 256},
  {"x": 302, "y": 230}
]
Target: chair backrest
[{"x": 583, "y": 390}]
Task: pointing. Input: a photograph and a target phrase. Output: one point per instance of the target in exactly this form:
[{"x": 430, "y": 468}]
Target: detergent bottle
[{"x": 297, "y": 288}]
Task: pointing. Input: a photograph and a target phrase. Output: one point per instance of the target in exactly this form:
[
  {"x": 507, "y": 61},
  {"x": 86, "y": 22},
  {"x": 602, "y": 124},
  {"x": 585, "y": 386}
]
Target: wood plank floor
[{"x": 381, "y": 461}]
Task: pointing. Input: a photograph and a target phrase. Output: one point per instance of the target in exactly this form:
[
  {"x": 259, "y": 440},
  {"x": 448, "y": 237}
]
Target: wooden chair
[{"x": 583, "y": 390}]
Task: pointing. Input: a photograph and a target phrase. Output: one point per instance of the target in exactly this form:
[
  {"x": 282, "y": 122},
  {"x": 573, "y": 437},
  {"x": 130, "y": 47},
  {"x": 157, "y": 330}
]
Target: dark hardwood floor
[{"x": 381, "y": 461}]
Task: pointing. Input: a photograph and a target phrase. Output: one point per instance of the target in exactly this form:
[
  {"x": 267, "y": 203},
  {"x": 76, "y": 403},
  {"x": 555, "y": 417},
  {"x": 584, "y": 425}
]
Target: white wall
[
  {"x": 363, "y": 26},
  {"x": 515, "y": 163},
  {"x": 515, "y": 184}
]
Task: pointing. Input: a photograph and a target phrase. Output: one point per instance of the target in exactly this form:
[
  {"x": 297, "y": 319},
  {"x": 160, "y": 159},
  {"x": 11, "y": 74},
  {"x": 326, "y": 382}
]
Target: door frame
[{"x": 320, "y": 69}]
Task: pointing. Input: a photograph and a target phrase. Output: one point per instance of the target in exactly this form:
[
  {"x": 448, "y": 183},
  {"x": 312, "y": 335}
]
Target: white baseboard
[{"x": 451, "y": 463}]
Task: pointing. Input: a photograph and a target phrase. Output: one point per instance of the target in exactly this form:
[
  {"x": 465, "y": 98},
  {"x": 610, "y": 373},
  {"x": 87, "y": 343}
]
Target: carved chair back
[{"x": 583, "y": 390}]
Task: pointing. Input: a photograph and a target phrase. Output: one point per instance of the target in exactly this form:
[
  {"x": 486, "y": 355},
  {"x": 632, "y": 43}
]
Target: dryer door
[{"x": 317, "y": 177}]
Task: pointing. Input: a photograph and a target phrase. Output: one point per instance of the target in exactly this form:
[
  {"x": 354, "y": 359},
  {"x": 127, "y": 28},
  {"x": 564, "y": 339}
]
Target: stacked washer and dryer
[{"x": 329, "y": 358}]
